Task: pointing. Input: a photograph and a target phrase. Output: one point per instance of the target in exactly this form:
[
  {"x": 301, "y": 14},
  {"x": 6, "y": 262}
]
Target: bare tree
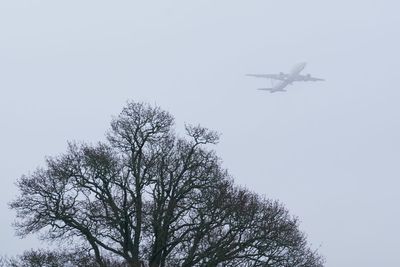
[{"x": 149, "y": 195}]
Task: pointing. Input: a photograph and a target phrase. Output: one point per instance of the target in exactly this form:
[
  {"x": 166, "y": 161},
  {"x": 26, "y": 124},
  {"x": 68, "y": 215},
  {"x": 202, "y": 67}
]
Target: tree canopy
[{"x": 151, "y": 197}]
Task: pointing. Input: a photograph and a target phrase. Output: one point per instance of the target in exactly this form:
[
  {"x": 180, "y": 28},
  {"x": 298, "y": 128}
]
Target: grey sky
[{"x": 329, "y": 151}]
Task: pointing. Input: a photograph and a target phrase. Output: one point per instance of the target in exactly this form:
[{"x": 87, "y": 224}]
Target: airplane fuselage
[{"x": 296, "y": 70}]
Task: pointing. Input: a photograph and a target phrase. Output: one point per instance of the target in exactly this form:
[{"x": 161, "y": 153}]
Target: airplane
[{"x": 286, "y": 79}]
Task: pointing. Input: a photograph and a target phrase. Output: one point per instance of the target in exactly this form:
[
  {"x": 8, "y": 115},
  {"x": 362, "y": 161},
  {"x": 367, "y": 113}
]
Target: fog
[{"x": 328, "y": 150}]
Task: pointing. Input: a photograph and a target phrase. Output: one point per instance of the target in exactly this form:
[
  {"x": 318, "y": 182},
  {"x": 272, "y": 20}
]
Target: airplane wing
[
  {"x": 280, "y": 76},
  {"x": 306, "y": 78}
]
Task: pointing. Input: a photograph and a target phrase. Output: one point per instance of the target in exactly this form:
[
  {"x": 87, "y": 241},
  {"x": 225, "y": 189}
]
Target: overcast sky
[{"x": 328, "y": 150}]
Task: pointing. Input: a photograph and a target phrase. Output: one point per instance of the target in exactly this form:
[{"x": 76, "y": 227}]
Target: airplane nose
[{"x": 299, "y": 67}]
